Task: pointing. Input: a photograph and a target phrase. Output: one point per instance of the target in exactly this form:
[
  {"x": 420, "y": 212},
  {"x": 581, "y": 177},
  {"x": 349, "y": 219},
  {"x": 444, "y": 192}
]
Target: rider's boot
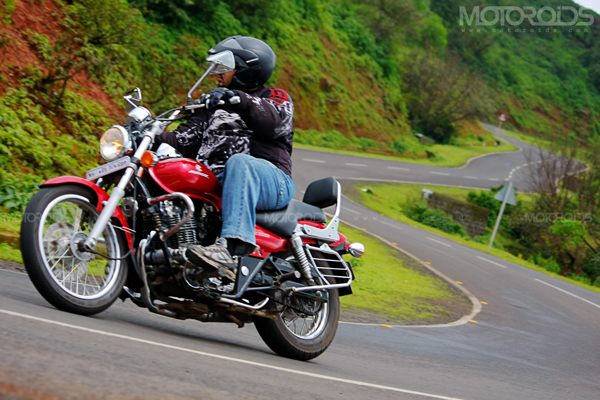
[{"x": 214, "y": 256}]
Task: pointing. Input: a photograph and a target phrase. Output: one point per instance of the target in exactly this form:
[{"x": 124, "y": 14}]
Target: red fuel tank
[{"x": 190, "y": 177}]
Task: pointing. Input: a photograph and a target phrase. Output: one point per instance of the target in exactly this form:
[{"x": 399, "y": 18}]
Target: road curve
[
  {"x": 535, "y": 337},
  {"x": 483, "y": 172}
]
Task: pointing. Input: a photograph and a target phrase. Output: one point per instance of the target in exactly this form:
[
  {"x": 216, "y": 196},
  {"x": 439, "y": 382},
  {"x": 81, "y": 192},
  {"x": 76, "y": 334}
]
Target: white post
[{"x": 500, "y": 215}]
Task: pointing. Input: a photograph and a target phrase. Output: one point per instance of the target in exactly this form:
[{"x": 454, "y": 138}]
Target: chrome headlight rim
[{"x": 125, "y": 144}]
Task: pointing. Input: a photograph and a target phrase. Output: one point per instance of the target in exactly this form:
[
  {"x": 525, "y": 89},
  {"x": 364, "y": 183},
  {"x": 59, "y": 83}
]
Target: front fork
[{"x": 118, "y": 191}]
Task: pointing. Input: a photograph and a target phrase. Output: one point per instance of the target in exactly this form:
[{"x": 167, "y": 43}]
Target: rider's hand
[{"x": 219, "y": 97}]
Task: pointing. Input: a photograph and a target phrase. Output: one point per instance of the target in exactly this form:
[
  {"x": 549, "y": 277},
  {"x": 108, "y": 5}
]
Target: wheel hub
[{"x": 76, "y": 241}]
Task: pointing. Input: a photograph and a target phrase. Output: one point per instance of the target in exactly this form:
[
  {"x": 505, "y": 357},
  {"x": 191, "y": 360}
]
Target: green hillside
[{"x": 373, "y": 71}]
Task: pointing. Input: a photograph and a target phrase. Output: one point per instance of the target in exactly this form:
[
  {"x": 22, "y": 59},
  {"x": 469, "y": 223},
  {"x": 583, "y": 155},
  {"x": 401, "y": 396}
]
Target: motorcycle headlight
[{"x": 114, "y": 142}]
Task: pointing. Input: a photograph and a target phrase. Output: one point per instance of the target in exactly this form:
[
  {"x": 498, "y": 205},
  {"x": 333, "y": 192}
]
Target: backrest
[{"x": 322, "y": 193}]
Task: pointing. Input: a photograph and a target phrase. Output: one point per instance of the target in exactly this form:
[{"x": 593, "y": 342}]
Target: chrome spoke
[
  {"x": 59, "y": 258},
  {"x": 82, "y": 278}
]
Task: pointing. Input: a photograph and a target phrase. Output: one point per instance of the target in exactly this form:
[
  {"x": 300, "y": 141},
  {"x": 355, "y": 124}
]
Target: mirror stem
[{"x": 189, "y": 96}]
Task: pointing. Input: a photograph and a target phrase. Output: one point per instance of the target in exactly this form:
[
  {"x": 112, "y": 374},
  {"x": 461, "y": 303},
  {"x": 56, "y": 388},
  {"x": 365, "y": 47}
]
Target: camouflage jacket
[{"x": 261, "y": 125}]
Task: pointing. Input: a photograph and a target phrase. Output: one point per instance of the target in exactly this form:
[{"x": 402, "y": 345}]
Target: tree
[
  {"x": 440, "y": 92},
  {"x": 569, "y": 196},
  {"x": 95, "y": 38}
]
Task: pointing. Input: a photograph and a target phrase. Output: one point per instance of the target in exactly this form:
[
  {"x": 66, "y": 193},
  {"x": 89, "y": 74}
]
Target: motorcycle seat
[{"x": 282, "y": 222}]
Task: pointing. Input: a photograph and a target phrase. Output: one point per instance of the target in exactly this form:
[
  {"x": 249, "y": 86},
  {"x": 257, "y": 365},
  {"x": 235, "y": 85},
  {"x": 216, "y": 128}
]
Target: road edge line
[
  {"x": 463, "y": 320},
  {"x": 330, "y": 378}
]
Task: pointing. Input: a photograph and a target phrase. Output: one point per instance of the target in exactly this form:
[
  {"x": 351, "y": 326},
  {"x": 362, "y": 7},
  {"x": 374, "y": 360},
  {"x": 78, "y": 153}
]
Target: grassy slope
[
  {"x": 533, "y": 140},
  {"x": 385, "y": 285},
  {"x": 446, "y": 155},
  {"x": 391, "y": 201}
]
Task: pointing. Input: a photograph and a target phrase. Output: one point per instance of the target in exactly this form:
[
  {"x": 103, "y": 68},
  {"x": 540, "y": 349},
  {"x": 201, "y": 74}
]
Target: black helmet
[{"x": 254, "y": 61}]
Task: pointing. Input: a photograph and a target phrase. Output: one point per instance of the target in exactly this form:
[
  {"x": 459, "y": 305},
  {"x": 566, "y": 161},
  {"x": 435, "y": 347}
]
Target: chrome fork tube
[{"x": 118, "y": 191}]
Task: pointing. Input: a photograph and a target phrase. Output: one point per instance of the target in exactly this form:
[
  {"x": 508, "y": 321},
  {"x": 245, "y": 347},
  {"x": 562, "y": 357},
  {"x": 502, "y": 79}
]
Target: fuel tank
[{"x": 189, "y": 177}]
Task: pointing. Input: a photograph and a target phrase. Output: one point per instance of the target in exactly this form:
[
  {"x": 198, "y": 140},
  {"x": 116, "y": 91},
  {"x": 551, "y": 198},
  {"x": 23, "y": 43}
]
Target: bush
[
  {"x": 436, "y": 219},
  {"x": 485, "y": 239},
  {"x": 591, "y": 267},
  {"x": 15, "y": 194},
  {"x": 486, "y": 199}
]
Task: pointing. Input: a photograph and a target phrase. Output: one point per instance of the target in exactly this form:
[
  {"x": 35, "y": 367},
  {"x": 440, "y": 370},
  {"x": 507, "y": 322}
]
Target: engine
[
  {"x": 169, "y": 215},
  {"x": 204, "y": 227}
]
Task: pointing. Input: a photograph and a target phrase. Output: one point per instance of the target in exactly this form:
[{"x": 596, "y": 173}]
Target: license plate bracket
[{"x": 108, "y": 168}]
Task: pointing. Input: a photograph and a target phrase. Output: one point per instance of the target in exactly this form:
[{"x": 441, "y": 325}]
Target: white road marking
[
  {"x": 356, "y": 165},
  {"x": 311, "y": 160},
  {"x": 493, "y": 179},
  {"x": 399, "y": 169},
  {"x": 438, "y": 173},
  {"x": 352, "y": 211},
  {"x": 388, "y": 224},
  {"x": 569, "y": 293},
  {"x": 471, "y": 177},
  {"x": 495, "y": 263},
  {"x": 437, "y": 241},
  {"x": 226, "y": 358}
]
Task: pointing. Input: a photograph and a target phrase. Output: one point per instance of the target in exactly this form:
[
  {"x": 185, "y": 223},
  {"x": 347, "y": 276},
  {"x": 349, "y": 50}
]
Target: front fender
[{"x": 100, "y": 194}]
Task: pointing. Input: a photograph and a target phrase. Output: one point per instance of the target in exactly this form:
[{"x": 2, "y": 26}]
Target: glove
[{"x": 219, "y": 97}]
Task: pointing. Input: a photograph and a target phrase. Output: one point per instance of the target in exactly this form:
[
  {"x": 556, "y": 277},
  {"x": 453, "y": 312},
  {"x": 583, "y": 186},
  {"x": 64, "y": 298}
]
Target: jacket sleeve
[
  {"x": 269, "y": 117},
  {"x": 187, "y": 138}
]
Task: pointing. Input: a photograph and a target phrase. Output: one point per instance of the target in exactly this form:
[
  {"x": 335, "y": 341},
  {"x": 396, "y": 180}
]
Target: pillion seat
[{"x": 319, "y": 194}]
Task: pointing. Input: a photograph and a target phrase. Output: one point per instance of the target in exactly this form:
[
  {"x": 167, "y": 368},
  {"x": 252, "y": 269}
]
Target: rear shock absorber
[{"x": 300, "y": 256}]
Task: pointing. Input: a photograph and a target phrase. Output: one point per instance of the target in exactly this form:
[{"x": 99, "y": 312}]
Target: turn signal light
[
  {"x": 356, "y": 249},
  {"x": 149, "y": 159}
]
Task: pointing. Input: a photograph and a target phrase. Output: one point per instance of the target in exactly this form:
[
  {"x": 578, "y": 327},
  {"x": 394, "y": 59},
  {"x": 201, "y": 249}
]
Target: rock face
[{"x": 474, "y": 218}]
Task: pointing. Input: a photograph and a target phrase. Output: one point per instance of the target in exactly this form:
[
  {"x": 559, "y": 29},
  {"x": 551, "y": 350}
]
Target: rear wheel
[
  {"x": 304, "y": 329},
  {"x": 71, "y": 280}
]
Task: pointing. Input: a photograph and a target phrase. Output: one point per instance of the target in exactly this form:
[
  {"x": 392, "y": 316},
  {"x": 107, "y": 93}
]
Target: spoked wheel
[
  {"x": 56, "y": 219},
  {"x": 304, "y": 329}
]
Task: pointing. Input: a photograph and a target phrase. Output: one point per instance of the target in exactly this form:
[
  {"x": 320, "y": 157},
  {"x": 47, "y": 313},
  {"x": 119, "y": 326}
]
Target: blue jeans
[{"x": 251, "y": 184}]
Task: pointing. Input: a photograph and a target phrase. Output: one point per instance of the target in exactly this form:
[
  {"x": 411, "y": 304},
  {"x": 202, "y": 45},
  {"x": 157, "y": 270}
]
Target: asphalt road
[
  {"x": 535, "y": 337},
  {"x": 485, "y": 172}
]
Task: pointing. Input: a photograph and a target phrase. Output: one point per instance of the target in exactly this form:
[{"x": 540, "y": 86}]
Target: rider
[{"x": 245, "y": 138}]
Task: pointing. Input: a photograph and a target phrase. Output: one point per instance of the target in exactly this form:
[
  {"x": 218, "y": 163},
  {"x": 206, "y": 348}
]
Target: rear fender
[{"x": 101, "y": 195}]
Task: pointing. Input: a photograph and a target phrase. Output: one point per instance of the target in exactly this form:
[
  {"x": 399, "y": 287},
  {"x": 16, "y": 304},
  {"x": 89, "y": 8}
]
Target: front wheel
[
  {"x": 71, "y": 280},
  {"x": 304, "y": 329}
]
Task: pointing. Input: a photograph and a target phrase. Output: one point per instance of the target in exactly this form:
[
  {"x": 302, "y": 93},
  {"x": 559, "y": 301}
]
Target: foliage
[
  {"x": 591, "y": 267},
  {"x": 336, "y": 140},
  {"x": 6, "y": 9},
  {"x": 547, "y": 76},
  {"x": 441, "y": 92},
  {"x": 486, "y": 199},
  {"x": 15, "y": 194},
  {"x": 436, "y": 219},
  {"x": 32, "y": 141}
]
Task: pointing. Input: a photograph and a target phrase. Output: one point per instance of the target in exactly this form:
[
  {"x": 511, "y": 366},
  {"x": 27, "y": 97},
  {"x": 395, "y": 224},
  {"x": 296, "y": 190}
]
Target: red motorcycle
[{"x": 83, "y": 248}]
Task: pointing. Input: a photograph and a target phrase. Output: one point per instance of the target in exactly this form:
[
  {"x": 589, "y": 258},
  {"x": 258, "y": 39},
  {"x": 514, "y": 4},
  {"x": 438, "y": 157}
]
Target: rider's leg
[{"x": 249, "y": 184}]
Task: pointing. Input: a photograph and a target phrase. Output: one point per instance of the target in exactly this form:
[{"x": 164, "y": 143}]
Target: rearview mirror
[
  {"x": 133, "y": 98},
  {"x": 223, "y": 62},
  {"x": 219, "y": 63}
]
